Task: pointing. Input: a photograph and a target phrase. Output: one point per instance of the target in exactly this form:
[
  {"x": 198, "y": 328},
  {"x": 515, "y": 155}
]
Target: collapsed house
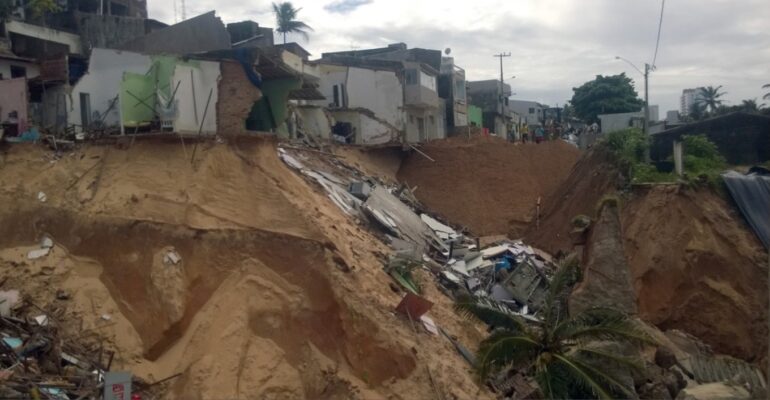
[{"x": 377, "y": 102}]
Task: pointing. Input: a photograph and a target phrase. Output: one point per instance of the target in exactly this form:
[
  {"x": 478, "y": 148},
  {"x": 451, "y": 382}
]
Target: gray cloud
[
  {"x": 345, "y": 6},
  {"x": 555, "y": 44}
]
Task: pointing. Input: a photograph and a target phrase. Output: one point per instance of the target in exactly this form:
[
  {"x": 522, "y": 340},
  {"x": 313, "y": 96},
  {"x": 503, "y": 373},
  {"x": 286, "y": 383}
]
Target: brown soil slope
[
  {"x": 259, "y": 306},
  {"x": 487, "y": 184},
  {"x": 696, "y": 264}
]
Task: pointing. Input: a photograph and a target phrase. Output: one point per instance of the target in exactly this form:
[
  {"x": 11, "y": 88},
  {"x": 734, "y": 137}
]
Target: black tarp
[{"x": 752, "y": 194}]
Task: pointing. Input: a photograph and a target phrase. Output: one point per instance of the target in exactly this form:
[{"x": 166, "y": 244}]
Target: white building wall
[
  {"x": 33, "y": 70},
  {"x": 330, "y": 75},
  {"x": 190, "y": 109},
  {"x": 379, "y": 91},
  {"x": 102, "y": 82}
]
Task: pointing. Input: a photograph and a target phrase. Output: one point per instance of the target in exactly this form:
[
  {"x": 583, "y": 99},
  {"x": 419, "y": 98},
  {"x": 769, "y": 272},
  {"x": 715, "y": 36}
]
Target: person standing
[
  {"x": 524, "y": 133},
  {"x": 539, "y": 134}
]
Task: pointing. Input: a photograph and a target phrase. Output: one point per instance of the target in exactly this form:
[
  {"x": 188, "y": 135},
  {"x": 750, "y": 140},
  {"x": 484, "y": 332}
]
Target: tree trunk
[{"x": 284, "y": 38}]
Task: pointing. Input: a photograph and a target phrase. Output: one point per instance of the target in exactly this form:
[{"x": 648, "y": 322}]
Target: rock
[
  {"x": 654, "y": 390},
  {"x": 606, "y": 274},
  {"x": 62, "y": 294},
  {"x": 664, "y": 357},
  {"x": 714, "y": 391},
  {"x": 674, "y": 382}
]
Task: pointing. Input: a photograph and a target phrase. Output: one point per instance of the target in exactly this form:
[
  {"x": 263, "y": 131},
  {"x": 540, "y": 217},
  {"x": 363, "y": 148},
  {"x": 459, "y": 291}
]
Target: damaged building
[
  {"x": 450, "y": 85},
  {"x": 377, "y": 102}
]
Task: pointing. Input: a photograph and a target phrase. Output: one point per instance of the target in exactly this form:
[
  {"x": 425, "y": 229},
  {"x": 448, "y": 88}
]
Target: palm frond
[
  {"x": 490, "y": 313},
  {"x": 503, "y": 348},
  {"x": 594, "y": 379},
  {"x": 583, "y": 377},
  {"x": 552, "y": 380},
  {"x": 601, "y": 324},
  {"x": 594, "y": 354},
  {"x": 555, "y": 303}
]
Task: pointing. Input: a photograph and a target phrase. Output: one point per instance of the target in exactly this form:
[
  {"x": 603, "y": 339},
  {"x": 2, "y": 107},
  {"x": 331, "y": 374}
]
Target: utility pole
[
  {"x": 501, "y": 98},
  {"x": 646, "y": 99}
]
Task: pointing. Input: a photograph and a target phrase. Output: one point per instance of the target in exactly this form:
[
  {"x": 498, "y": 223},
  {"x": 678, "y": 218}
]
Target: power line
[{"x": 660, "y": 25}]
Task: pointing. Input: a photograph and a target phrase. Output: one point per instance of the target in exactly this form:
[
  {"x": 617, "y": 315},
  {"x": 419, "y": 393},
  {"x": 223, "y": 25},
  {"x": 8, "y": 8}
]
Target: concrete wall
[
  {"x": 616, "y": 122},
  {"x": 431, "y": 120},
  {"x": 191, "y": 104},
  {"x": 237, "y": 96},
  {"x": 522, "y": 108},
  {"x": 102, "y": 82},
  {"x": 33, "y": 70},
  {"x": 106, "y": 31},
  {"x": 14, "y": 98},
  {"x": 366, "y": 129},
  {"x": 315, "y": 121},
  {"x": 205, "y": 32},
  {"x": 330, "y": 75},
  {"x": 72, "y": 41},
  {"x": 378, "y": 91}
]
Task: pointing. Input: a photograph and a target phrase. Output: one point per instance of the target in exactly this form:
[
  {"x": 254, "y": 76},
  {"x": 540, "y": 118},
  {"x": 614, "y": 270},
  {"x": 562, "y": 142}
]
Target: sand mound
[
  {"x": 487, "y": 184},
  {"x": 257, "y": 306},
  {"x": 695, "y": 263}
]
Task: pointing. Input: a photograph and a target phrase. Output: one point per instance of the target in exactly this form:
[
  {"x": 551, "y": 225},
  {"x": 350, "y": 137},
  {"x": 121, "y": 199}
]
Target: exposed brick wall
[{"x": 236, "y": 97}]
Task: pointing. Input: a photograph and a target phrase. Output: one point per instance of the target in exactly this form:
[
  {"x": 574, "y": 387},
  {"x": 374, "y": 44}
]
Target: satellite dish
[{"x": 447, "y": 51}]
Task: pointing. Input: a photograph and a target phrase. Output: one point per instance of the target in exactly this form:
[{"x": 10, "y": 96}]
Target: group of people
[{"x": 552, "y": 131}]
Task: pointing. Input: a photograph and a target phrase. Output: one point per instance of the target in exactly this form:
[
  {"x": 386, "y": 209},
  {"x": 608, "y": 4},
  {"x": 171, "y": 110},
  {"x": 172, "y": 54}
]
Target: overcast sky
[{"x": 555, "y": 44}]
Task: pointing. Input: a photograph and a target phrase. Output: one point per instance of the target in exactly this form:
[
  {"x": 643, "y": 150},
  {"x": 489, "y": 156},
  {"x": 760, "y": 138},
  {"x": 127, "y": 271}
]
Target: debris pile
[
  {"x": 509, "y": 273},
  {"x": 40, "y": 358}
]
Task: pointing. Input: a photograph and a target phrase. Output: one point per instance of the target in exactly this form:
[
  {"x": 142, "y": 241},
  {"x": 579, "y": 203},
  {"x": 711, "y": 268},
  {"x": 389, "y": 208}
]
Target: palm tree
[
  {"x": 697, "y": 111},
  {"x": 562, "y": 353},
  {"x": 767, "y": 95},
  {"x": 750, "y": 105},
  {"x": 285, "y": 15},
  {"x": 710, "y": 97}
]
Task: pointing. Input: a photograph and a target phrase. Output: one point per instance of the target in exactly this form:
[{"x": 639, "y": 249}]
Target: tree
[
  {"x": 750, "y": 105},
  {"x": 605, "y": 95},
  {"x": 562, "y": 353},
  {"x": 710, "y": 97},
  {"x": 285, "y": 15},
  {"x": 6, "y": 7},
  {"x": 767, "y": 95},
  {"x": 697, "y": 111}
]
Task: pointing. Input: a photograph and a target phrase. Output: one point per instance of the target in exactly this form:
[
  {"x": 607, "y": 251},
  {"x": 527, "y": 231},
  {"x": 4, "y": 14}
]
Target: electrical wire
[{"x": 660, "y": 25}]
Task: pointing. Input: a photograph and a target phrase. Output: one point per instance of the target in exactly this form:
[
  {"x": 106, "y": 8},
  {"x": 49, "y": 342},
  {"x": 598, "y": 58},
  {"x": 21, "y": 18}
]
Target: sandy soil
[
  {"x": 696, "y": 264},
  {"x": 259, "y": 305},
  {"x": 486, "y": 184}
]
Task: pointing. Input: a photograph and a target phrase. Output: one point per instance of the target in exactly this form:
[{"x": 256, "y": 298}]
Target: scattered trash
[
  {"x": 38, "y": 253},
  {"x": 8, "y": 300},
  {"x": 429, "y": 325},
  {"x": 106, "y": 317},
  {"x": 171, "y": 257},
  {"x": 42, "y": 320},
  {"x": 42, "y": 197},
  {"x": 46, "y": 242},
  {"x": 413, "y": 306}
]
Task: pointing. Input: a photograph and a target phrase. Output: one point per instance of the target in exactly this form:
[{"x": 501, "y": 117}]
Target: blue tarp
[{"x": 751, "y": 193}]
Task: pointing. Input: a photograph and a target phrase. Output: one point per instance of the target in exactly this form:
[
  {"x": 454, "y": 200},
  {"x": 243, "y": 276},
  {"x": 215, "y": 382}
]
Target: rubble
[{"x": 36, "y": 358}]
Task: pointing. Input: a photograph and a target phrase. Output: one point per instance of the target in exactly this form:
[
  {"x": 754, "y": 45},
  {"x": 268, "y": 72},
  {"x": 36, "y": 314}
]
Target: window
[
  {"x": 432, "y": 120},
  {"x": 339, "y": 96},
  {"x": 428, "y": 81},
  {"x": 531, "y": 110},
  {"x": 460, "y": 90},
  {"x": 411, "y": 76},
  {"x": 18, "y": 72}
]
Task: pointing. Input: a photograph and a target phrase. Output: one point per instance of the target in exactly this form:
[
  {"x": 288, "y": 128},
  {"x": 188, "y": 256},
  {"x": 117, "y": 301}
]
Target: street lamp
[{"x": 646, "y": 74}]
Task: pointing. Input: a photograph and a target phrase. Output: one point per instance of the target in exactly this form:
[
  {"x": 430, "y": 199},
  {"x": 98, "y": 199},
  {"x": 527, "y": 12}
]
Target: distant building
[
  {"x": 689, "y": 98},
  {"x": 532, "y": 112},
  {"x": 619, "y": 121},
  {"x": 494, "y": 104},
  {"x": 672, "y": 117}
]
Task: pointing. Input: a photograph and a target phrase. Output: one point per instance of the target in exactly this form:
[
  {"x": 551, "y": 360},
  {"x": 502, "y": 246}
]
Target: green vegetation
[
  {"x": 581, "y": 221},
  {"x": 629, "y": 147},
  {"x": 605, "y": 95},
  {"x": 566, "y": 355},
  {"x": 711, "y": 97},
  {"x": 702, "y": 161}
]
